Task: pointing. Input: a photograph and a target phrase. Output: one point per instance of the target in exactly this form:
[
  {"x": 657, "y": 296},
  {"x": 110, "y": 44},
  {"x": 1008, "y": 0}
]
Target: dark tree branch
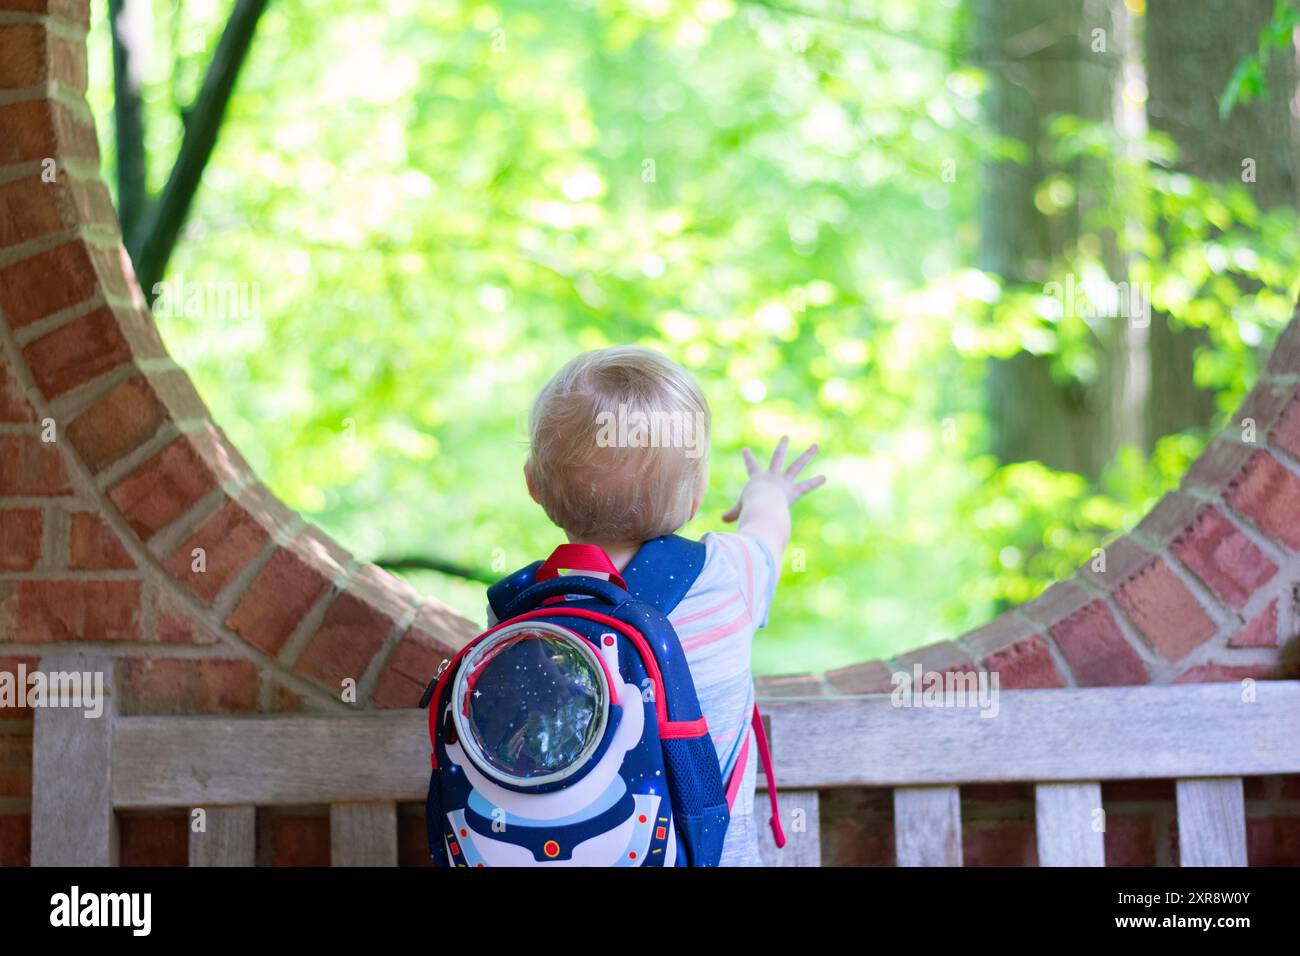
[
  {"x": 436, "y": 564},
  {"x": 128, "y": 111},
  {"x": 162, "y": 226}
]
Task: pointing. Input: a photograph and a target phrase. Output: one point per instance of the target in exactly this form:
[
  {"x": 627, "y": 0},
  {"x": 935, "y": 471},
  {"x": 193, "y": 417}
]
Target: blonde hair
[{"x": 619, "y": 445}]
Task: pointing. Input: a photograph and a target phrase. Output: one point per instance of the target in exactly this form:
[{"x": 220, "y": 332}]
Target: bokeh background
[{"x": 854, "y": 222}]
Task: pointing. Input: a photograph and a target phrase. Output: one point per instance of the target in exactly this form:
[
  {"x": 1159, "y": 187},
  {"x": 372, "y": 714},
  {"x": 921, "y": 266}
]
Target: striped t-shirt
[{"x": 716, "y": 623}]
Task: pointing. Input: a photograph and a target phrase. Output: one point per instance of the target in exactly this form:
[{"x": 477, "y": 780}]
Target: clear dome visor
[{"x": 531, "y": 704}]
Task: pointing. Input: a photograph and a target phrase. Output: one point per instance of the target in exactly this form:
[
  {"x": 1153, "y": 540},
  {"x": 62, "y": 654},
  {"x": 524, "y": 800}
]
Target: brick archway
[{"x": 114, "y": 481}]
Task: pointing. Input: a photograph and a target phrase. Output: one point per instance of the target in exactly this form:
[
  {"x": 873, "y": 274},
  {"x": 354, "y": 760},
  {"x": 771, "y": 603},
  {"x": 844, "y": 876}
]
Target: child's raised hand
[{"x": 765, "y": 485}]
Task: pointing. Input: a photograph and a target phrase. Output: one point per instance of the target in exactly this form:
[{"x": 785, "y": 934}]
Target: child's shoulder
[
  {"x": 736, "y": 553},
  {"x": 737, "y": 562}
]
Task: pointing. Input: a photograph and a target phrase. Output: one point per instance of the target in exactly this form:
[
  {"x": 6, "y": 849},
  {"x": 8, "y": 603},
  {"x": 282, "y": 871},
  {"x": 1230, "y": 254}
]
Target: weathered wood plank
[
  {"x": 1068, "y": 818},
  {"x": 801, "y": 821},
  {"x": 927, "y": 826},
  {"x": 72, "y": 809},
  {"x": 1211, "y": 822},
  {"x": 1094, "y": 733},
  {"x": 1097, "y": 733},
  {"x": 363, "y": 834},
  {"x": 229, "y": 837}
]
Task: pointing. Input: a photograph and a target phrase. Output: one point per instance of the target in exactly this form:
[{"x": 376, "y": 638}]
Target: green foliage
[
  {"x": 438, "y": 204},
  {"x": 1249, "y": 81}
]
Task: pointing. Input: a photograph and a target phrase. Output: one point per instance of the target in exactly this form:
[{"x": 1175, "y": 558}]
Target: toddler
[{"x": 618, "y": 456}]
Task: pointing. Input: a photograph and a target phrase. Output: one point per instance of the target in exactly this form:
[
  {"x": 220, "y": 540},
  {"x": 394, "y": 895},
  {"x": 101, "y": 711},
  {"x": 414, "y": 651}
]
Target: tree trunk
[
  {"x": 1193, "y": 47},
  {"x": 1041, "y": 63}
]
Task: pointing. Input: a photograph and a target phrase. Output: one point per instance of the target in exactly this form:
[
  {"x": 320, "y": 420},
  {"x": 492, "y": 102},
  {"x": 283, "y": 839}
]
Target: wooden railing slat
[
  {"x": 801, "y": 821},
  {"x": 1095, "y": 733},
  {"x": 73, "y": 823},
  {"x": 1070, "y": 824},
  {"x": 927, "y": 826},
  {"x": 229, "y": 837},
  {"x": 363, "y": 834},
  {"x": 1211, "y": 822}
]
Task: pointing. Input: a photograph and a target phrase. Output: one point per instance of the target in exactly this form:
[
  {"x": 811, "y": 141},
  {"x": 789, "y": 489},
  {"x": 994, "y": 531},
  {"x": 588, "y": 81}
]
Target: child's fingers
[
  {"x": 800, "y": 462},
  {"x": 778, "y": 456},
  {"x": 804, "y": 487},
  {"x": 751, "y": 463}
]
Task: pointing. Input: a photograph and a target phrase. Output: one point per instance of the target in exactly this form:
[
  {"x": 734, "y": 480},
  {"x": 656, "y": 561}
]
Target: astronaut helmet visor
[{"x": 532, "y": 702}]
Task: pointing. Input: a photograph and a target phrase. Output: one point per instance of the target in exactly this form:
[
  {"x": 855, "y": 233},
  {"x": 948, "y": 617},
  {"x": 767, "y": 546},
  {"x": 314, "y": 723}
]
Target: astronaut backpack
[{"x": 570, "y": 733}]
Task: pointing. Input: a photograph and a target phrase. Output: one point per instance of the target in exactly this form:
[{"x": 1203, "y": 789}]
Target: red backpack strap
[
  {"x": 579, "y": 557},
  {"x": 765, "y": 754},
  {"x": 738, "y": 771}
]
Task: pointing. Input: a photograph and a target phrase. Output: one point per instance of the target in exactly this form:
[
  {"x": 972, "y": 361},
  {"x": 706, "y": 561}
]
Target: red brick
[
  {"x": 29, "y": 466},
  {"x": 300, "y": 840},
  {"x": 31, "y": 56},
  {"x": 14, "y": 406},
  {"x": 16, "y": 765},
  {"x": 1025, "y": 664},
  {"x": 1286, "y": 433},
  {"x": 163, "y": 685},
  {"x": 117, "y": 424},
  {"x": 73, "y": 610},
  {"x": 1217, "y": 464},
  {"x": 999, "y": 843},
  {"x": 857, "y": 827},
  {"x": 154, "y": 839},
  {"x": 414, "y": 663},
  {"x": 15, "y": 839},
  {"x": 20, "y": 539},
  {"x": 29, "y": 209},
  {"x": 972, "y": 793},
  {"x": 1211, "y": 673},
  {"x": 1137, "y": 791},
  {"x": 1273, "y": 842},
  {"x": 1096, "y": 650},
  {"x": 1130, "y": 840},
  {"x": 180, "y": 629},
  {"x": 1165, "y": 611},
  {"x": 12, "y": 665},
  {"x": 790, "y": 685},
  {"x": 945, "y": 657},
  {"x": 94, "y": 546},
  {"x": 276, "y": 601},
  {"x": 1268, "y": 494},
  {"x": 48, "y": 281},
  {"x": 163, "y": 488},
  {"x": 230, "y": 539},
  {"x": 1285, "y": 359},
  {"x": 412, "y": 840},
  {"x": 1225, "y": 559},
  {"x": 1261, "y": 631},
  {"x": 347, "y": 640},
  {"x": 870, "y": 677},
  {"x": 76, "y": 353},
  {"x": 1058, "y": 602},
  {"x": 74, "y": 11}
]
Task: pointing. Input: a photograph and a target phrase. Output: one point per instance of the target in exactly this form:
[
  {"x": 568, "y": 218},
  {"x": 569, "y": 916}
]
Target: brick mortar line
[
  {"x": 68, "y": 574},
  {"x": 115, "y": 471},
  {"x": 1159, "y": 670},
  {"x": 141, "y": 554},
  {"x": 123, "y": 650},
  {"x": 93, "y": 234},
  {"x": 58, "y": 25},
  {"x": 369, "y": 680}
]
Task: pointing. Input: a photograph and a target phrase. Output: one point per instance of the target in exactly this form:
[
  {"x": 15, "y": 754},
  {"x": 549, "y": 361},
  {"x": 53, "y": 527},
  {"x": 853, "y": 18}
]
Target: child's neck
[{"x": 619, "y": 552}]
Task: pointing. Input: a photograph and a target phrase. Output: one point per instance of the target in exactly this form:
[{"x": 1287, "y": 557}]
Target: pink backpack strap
[{"x": 738, "y": 772}]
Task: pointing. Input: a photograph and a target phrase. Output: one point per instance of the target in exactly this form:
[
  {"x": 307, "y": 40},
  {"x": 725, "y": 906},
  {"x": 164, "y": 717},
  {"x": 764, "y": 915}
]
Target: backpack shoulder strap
[
  {"x": 501, "y": 594},
  {"x": 663, "y": 570}
]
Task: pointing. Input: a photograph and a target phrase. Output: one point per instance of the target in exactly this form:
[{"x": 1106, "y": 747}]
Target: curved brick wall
[{"x": 113, "y": 476}]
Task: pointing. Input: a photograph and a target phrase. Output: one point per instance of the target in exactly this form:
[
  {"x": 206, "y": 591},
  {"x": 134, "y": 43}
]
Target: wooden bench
[{"x": 1204, "y": 736}]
